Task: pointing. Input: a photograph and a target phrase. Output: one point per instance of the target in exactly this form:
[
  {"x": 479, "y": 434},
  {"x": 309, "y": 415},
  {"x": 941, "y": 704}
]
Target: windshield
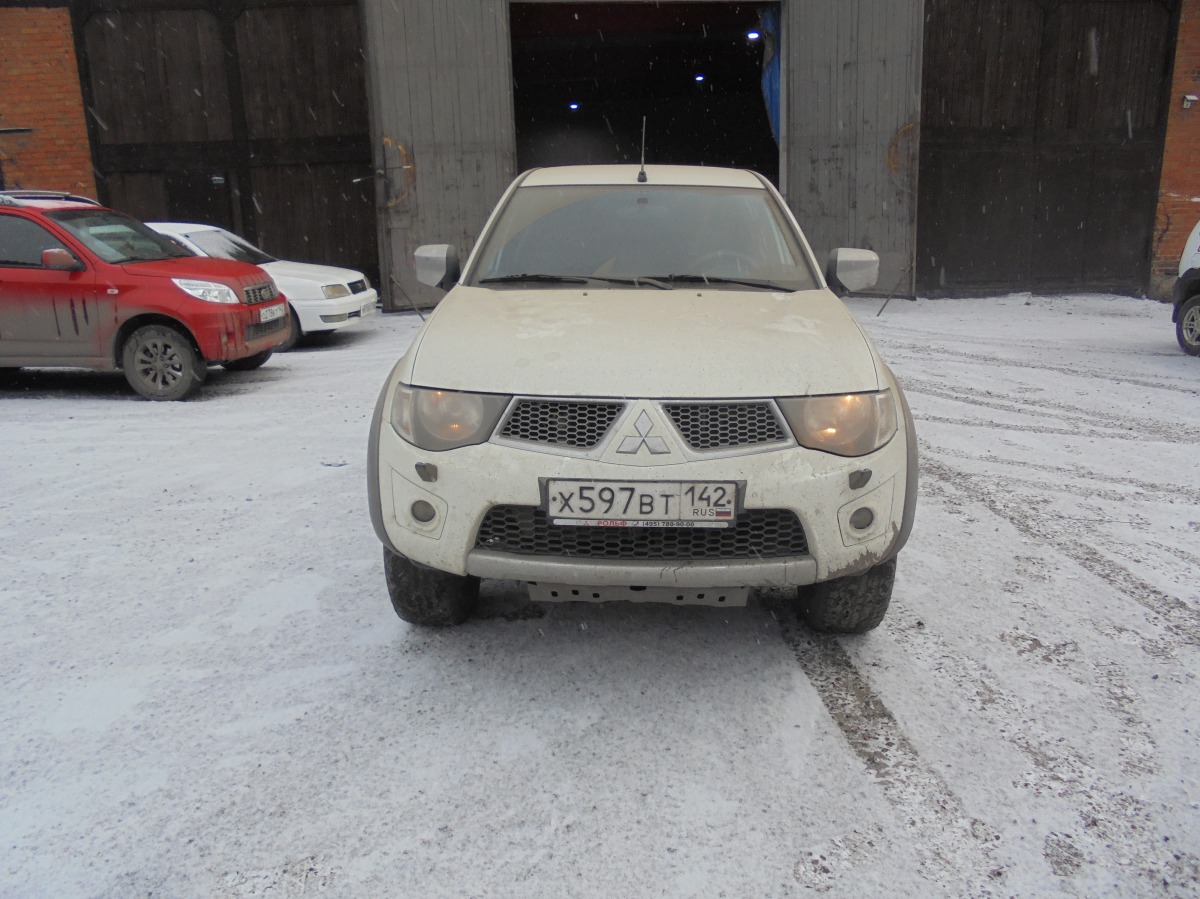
[
  {"x": 672, "y": 235},
  {"x": 116, "y": 237},
  {"x": 224, "y": 245}
]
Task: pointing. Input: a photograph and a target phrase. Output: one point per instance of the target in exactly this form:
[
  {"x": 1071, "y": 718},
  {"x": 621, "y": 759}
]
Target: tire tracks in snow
[
  {"x": 912, "y": 352},
  {"x": 953, "y": 850},
  {"x": 1088, "y": 423},
  {"x": 1146, "y": 489},
  {"x": 1167, "y": 611},
  {"x": 1114, "y": 826}
]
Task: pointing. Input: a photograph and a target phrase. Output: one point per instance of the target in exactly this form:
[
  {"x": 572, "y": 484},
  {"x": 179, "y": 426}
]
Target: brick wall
[
  {"x": 1179, "y": 189},
  {"x": 39, "y": 89}
]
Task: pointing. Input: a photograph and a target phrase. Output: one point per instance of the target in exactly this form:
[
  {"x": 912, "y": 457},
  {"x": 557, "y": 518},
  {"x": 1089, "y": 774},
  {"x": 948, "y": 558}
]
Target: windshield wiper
[
  {"x": 575, "y": 279},
  {"x": 633, "y": 282},
  {"x": 718, "y": 279},
  {"x": 540, "y": 279}
]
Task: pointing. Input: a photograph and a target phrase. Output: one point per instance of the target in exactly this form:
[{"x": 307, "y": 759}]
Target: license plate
[
  {"x": 642, "y": 504},
  {"x": 270, "y": 313}
]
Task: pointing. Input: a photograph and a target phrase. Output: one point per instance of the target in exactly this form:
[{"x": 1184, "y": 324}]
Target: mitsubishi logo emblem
[{"x": 634, "y": 443}]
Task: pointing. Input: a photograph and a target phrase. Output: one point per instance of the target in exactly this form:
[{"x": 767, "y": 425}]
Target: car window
[
  {"x": 644, "y": 231},
  {"x": 22, "y": 242},
  {"x": 224, "y": 245},
  {"x": 116, "y": 237}
]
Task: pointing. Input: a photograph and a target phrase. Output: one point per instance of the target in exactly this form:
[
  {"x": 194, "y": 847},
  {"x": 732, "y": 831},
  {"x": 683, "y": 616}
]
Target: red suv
[{"x": 82, "y": 286}]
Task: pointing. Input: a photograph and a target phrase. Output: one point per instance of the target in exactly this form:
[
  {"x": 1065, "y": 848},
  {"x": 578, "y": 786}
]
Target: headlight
[
  {"x": 445, "y": 419},
  {"x": 852, "y": 424},
  {"x": 333, "y": 291},
  {"x": 209, "y": 291}
]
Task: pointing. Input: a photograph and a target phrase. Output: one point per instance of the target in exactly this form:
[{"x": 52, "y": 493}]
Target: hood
[
  {"x": 201, "y": 268},
  {"x": 308, "y": 274},
  {"x": 684, "y": 343}
]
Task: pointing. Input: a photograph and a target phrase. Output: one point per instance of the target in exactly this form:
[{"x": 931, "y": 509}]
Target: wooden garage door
[
  {"x": 250, "y": 115},
  {"x": 1041, "y": 140}
]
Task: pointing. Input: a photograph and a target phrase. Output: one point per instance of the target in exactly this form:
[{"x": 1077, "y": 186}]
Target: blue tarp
[{"x": 770, "y": 75}]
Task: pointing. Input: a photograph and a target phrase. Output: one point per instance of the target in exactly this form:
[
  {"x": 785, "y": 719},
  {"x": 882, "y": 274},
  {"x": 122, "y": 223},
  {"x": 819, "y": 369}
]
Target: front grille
[
  {"x": 262, "y": 329},
  {"x": 575, "y": 424},
  {"x": 758, "y": 534},
  {"x": 261, "y": 293},
  {"x": 357, "y": 286},
  {"x": 709, "y": 426}
]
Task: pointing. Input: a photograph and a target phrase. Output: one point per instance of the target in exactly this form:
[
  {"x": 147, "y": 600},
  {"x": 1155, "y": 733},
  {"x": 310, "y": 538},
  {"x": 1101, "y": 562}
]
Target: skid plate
[{"x": 682, "y": 596}]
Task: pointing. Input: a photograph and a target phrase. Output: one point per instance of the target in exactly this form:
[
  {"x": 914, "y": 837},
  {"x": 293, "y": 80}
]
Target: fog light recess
[
  {"x": 424, "y": 512},
  {"x": 861, "y": 519}
]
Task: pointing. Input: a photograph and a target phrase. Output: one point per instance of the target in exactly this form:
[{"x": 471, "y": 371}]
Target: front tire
[
  {"x": 249, "y": 363},
  {"x": 295, "y": 332},
  {"x": 849, "y": 605},
  {"x": 160, "y": 363},
  {"x": 1187, "y": 326},
  {"x": 426, "y": 596}
]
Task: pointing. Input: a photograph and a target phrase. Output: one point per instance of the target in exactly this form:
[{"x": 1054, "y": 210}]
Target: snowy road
[{"x": 205, "y": 691}]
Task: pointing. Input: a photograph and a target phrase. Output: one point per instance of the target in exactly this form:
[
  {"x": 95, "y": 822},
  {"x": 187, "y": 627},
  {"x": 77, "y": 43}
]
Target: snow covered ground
[{"x": 205, "y": 691}]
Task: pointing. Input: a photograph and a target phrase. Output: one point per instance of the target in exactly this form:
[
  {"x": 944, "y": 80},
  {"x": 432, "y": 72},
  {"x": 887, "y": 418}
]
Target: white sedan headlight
[
  {"x": 209, "y": 291},
  {"x": 333, "y": 291},
  {"x": 445, "y": 419},
  {"x": 850, "y": 424}
]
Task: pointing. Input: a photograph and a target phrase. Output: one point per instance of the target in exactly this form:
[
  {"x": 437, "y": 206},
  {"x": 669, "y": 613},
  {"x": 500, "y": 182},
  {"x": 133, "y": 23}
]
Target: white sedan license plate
[
  {"x": 270, "y": 313},
  {"x": 642, "y": 504}
]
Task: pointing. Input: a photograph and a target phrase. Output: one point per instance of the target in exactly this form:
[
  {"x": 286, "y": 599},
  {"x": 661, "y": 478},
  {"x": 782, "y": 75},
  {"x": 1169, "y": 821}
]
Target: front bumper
[
  {"x": 471, "y": 480},
  {"x": 227, "y": 333},
  {"x": 1187, "y": 285},
  {"x": 330, "y": 315}
]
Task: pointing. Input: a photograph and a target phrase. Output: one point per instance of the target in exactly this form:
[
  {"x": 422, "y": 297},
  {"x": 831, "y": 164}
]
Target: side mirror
[
  {"x": 437, "y": 265},
  {"x": 60, "y": 260},
  {"x": 852, "y": 270}
]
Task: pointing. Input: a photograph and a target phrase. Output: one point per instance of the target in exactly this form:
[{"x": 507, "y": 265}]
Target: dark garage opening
[{"x": 584, "y": 75}]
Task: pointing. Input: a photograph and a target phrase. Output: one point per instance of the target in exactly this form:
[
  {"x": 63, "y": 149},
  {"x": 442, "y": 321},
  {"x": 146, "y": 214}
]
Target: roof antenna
[{"x": 642, "y": 173}]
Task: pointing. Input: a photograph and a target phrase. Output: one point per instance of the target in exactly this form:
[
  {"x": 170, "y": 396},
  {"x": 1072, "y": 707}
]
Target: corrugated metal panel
[
  {"x": 852, "y": 114},
  {"x": 443, "y": 126}
]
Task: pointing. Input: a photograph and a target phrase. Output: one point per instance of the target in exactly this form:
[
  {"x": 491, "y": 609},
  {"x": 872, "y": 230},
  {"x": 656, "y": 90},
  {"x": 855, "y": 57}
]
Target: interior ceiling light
[
  {"x": 752, "y": 35},
  {"x": 574, "y": 106},
  {"x": 699, "y": 77}
]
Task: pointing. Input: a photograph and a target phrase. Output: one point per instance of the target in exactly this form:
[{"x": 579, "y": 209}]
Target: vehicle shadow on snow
[
  {"x": 329, "y": 340},
  {"x": 642, "y": 669},
  {"x": 222, "y": 383},
  {"x": 66, "y": 383},
  {"x": 509, "y": 601}
]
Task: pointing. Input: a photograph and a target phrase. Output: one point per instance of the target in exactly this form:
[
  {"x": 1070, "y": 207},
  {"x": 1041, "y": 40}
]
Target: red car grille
[{"x": 261, "y": 293}]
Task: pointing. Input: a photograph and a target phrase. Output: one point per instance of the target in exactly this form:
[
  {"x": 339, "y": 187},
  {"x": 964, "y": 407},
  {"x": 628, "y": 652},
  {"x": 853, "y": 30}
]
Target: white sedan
[
  {"x": 321, "y": 297},
  {"x": 640, "y": 388}
]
